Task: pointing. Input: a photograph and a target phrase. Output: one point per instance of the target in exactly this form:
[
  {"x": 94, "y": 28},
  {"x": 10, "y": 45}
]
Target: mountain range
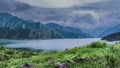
[
  {"x": 111, "y": 30},
  {"x": 97, "y": 19},
  {"x": 13, "y": 27},
  {"x": 16, "y": 28},
  {"x": 67, "y": 32}
]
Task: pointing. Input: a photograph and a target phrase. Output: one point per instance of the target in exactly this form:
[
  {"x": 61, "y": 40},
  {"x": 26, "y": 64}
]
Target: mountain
[
  {"x": 7, "y": 33},
  {"x": 97, "y": 32},
  {"x": 23, "y": 29},
  {"x": 67, "y": 32},
  {"x": 112, "y": 30},
  {"x": 112, "y": 37}
]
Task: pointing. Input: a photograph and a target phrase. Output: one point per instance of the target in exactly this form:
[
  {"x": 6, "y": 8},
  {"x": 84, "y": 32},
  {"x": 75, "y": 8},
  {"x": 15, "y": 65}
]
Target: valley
[{"x": 59, "y": 34}]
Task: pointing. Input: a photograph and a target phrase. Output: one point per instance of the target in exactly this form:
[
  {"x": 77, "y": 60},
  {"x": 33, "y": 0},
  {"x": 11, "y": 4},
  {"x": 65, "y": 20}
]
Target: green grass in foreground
[{"x": 95, "y": 55}]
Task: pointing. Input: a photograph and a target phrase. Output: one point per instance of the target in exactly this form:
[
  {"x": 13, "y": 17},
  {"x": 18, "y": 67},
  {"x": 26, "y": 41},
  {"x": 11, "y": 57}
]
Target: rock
[
  {"x": 62, "y": 65},
  {"x": 66, "y": 49},
  {"x": 88, "y": 60},
  {"x": 26, "y": 65},
  {"x": 100, "y": 62},
  {"x": 52, "y": 62},
  {"x": 78, "y": 60}
]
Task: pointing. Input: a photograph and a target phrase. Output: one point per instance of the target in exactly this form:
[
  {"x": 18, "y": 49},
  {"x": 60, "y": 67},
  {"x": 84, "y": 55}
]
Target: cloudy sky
[
  {"x": 82, "y": 14},
  {"x": 58, "y": 3}
]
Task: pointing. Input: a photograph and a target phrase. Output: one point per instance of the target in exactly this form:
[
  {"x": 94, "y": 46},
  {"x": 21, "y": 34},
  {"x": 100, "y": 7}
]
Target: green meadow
[{"x": 94, "y": 55}]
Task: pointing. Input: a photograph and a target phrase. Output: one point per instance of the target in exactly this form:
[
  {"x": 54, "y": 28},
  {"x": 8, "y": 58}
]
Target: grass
[{"x": 95, "y": 55}]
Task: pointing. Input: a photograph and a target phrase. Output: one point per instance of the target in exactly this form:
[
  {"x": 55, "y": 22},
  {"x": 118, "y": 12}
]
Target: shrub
[
  {"x": 1, "y": 48},
  {"x": 97, "y": 45}
]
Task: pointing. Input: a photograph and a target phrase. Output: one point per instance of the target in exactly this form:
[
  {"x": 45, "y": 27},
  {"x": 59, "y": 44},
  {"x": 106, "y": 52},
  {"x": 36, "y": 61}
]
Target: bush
[
  {"x": 97, "y": 45},
  {"x": 1, "y": 48}
]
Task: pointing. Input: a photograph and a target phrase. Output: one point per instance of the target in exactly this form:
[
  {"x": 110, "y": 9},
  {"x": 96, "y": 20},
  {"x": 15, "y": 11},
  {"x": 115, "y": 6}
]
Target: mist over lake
[{"x": 54, "y": 44}]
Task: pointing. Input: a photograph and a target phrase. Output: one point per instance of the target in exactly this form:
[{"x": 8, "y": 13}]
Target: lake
[{"x": 51, "y": 44}]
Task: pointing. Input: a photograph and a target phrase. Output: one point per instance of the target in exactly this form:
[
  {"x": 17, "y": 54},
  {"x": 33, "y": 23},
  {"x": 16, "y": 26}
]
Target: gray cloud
[
  {"x": 101, "y": 6},
  {"x": 85, "y": 17},
  {"x": 12, "y": 5},
  {"x": 58, "y": 3}
]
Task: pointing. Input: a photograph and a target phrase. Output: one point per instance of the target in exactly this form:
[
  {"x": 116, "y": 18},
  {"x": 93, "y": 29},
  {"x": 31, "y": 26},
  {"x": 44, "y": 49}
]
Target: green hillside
[
  {"x": 112, "y": 37},
  {"x": 94, "y": 55}
]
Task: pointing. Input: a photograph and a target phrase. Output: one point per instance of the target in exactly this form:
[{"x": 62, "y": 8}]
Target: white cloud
[
  {"x": 95, "y": 14},
  {"x": 58, "y": 3}
]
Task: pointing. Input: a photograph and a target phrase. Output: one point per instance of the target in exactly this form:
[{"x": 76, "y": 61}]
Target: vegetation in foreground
[{"x": 94, "y": 55}]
